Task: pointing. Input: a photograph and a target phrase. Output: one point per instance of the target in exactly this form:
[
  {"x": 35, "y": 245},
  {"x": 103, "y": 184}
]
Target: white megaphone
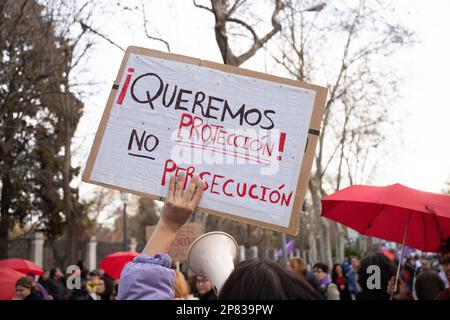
[{"x": 213, "y": 255}]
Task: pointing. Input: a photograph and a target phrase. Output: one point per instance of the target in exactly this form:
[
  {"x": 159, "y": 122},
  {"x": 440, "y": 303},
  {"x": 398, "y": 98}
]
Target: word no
[{"x": 147, "y": 141}]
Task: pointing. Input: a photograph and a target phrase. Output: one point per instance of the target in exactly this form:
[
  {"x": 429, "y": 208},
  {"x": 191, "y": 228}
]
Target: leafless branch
[
  {"x": 146, "y": 29},
  {"x": 202, "y": 7},
  {"x": 86, "y": 27}
]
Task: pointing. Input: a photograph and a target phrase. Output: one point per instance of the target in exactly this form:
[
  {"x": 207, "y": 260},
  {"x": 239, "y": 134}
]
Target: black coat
[
  {"x": 56, "y": 289},
  {"x": 34, "y": 296},
  {"x": 211, "y": 295}
]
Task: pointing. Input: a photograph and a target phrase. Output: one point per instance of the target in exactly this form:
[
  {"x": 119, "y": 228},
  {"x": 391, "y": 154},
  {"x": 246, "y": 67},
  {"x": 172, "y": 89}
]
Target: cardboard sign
[
  {"x": 185, "y": 236},
  {"x": 250, "y": 136}
]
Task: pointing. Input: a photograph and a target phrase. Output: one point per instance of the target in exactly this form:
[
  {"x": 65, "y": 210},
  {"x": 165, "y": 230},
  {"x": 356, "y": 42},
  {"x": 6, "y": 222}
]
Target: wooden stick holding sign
[{"x": 250, "y": 136}]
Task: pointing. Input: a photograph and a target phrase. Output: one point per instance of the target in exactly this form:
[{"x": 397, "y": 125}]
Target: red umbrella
[
  {"x": 22, "y": 265},
  {"x": 114, "y": 263},
  {"x": 395, "y": 213},
  {"x": 386, "y": 213},
  {"x": 8, "y": 279}
]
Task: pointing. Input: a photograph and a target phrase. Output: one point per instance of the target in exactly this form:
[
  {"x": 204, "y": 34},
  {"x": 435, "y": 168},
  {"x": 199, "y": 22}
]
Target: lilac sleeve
[{"x": 147, "y": 278}]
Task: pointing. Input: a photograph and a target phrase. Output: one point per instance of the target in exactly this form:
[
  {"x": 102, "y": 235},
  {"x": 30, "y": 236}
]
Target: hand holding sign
[
  {"x": 178, "y": 208},
  {"x": 180, "y": 205}
]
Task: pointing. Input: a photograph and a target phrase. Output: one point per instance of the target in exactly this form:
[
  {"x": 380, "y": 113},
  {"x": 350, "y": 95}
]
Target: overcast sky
[{"x": 420, "y": 154}]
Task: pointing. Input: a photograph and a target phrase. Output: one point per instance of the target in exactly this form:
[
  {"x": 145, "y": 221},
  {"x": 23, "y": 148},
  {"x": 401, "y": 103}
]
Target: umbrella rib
[
  {"x": 438, "y": 226},
  {"x": 373, "y": 219}
]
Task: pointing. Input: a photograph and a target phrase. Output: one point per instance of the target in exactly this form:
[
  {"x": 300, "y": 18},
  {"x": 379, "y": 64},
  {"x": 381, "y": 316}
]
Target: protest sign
[
  {"x": 184, "y": 238},
  {"x": 250, "y": 136}
]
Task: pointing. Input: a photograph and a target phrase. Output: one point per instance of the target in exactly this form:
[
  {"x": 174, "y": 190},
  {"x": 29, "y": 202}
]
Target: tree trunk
[
  {"x": 312, "y": 248},
  {"x": 68, "y": 210},
  {"x": 5, "y": 219},
  {"x": 324, "y": 240},
  {"x": 340, "y": 243}
]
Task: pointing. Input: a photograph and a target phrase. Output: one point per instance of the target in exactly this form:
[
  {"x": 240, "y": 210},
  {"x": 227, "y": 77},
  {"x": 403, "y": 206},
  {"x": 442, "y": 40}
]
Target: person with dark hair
[
  {"x": 25, "y": 290},
  {"x": 339, "y": 279},
  {"x": 45, "y": 283},
  {"x": 387, "y": 270},
  {"x": 192, "y": 286},
  {"x": 265, "y": 280},
  {"x": 103, "y": 289},
  {"x": 109, "y": 293},
  {"x": 204, "y": 288},
  {"x": 56, "y": 288},
  {"x": 428, "y": 284},
  {"x": 149, "y": 275},
  {"x": 298, "y": 266},
  {"x": 328, "y": 289}
]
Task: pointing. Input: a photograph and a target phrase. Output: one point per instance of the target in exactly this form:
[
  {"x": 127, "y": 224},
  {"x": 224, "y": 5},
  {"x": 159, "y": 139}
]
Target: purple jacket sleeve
[{"x": 147, "y": 278}]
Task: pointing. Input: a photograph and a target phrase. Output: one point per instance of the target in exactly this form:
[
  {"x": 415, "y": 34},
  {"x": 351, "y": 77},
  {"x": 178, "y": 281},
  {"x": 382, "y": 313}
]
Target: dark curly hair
[
  {"x": 387, "y": 270},
  {"x": 265, "y": 280}
]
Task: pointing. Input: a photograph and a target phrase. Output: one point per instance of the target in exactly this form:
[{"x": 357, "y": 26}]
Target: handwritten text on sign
[
  {"x": 184, "y": 238},
  {"x": 244, "y": 136}
]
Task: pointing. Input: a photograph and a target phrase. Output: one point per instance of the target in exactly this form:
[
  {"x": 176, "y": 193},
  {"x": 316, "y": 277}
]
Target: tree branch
[
  {"x": 236, "y": 5},
  {"x": 86, "y": 27},
  {"x": 148, "y": 34},
  {"x": 202, "y": 7},
  {"x": 245, "y": 25},
  {"x": 258, "y": 43}
]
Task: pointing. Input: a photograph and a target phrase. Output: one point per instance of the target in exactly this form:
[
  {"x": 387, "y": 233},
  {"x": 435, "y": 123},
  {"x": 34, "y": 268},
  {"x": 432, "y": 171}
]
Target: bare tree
[
  {"x": 136, "y": 14},
  {"x": 226, "y": 14},
  {"x": 345, "y": 46},
  {"x": 101, "y": 208}
]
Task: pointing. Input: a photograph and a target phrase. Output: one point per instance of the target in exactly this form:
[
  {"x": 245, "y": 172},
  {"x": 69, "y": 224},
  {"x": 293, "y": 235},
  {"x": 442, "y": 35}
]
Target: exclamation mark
[
  {"x": 125, "y": 86},
  {"x": 281, "y": 145}
]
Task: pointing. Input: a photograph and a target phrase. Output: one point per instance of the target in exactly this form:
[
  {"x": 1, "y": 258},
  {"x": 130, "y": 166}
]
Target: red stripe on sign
[{"x": 123, "y": 92}]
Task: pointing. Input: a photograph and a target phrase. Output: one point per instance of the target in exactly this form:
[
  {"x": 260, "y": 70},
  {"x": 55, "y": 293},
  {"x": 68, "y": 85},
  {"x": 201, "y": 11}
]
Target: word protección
[
  {"x": 218, "y": 138},
  {"x": 198, "y": 102},
  {"x": 221, "y": 185}
]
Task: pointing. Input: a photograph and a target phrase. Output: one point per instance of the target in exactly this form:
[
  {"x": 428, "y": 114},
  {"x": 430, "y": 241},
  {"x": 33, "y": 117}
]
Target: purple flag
[{"x": 289, "y": 248}]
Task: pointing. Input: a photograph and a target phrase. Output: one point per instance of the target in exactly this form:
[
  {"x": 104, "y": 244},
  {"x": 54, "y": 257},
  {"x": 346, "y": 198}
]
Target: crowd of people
[
  {"x": 52, "y": 285},
  {"x": 151, "y": 275},
  {"x": 422, "y": 278}
]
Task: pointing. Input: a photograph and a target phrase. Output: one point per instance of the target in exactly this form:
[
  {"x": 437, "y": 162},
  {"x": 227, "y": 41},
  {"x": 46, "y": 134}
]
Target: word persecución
[
  {"x": 220, "y": 185},
  {"x": 198, "y": 102}
]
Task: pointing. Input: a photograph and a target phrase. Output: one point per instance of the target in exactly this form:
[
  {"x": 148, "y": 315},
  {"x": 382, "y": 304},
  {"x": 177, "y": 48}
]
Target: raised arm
[
  {"x": 149, "y": 276},
  {"x": 177, "y": 210}
]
